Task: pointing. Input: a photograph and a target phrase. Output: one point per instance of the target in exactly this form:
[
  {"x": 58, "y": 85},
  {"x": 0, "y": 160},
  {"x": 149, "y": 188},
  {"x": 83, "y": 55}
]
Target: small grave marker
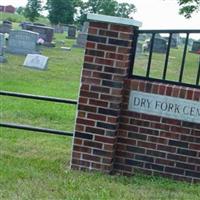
[{"x": 36, "y": 61}]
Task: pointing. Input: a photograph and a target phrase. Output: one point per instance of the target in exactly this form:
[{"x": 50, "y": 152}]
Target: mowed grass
[
  {"x": 174, "y": 65},
  {"x": 35, "y": 165}
]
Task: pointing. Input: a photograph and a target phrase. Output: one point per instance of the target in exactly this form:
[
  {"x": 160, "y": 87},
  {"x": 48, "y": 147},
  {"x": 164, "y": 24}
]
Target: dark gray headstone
[
  {"x": 46, "y": 33},
  {"x": 24, "y": 24},
  {"x": 160, "y": 45},
  {"x": 72, "y": 32},
  {"x": 22, "y": 42},
  {"x": 5, "y": 28},
  {"x": 196, "y": 47}
]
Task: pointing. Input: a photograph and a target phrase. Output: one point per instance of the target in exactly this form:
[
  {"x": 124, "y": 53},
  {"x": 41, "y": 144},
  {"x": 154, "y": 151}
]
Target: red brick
[
  {"x": 121, "y": 28},
  {"x": 124, "y": 50},
  {"x": 94, "y": 81},
  {"x": 83, "y": 100},
  {"x": 99, "y": 25},
  {"x": 89, "y": 58},
  {"x": 104, "y": 139},
  {"x": 93, "y": 144},
  {"x": 82, "y": 149},
  {"x": 90, "y": 45},
  {"x": 96, "y": 117},
  {"x": 126, "y": 36},
  {"x": 96, "y": 102},
  {"x": 92, "y": 31},
  {"x": 146, "y": 144},
  {"x": 106, "y": 47},
  {"x": 104, "y": 61},
  {"x": 85, "y": 122},
  {"x": 91, "y": 158},
  {"x": 80, "y": 127},
  {"x": 78, "y": 141}
]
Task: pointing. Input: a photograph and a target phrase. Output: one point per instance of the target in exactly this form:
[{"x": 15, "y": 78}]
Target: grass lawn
[{"x": 36, "y": 165}]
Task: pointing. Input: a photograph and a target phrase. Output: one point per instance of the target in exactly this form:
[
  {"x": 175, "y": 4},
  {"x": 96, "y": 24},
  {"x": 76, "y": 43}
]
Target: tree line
[{"x": 75, "y": 11}]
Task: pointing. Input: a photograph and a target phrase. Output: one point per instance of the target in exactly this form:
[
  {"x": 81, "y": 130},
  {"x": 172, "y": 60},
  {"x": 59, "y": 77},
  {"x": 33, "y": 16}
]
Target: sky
[{"x": 154, "y": 14}]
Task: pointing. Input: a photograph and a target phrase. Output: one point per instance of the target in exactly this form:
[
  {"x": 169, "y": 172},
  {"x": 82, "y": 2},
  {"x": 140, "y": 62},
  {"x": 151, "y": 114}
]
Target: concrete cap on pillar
[{"x": 114, "y": 20}]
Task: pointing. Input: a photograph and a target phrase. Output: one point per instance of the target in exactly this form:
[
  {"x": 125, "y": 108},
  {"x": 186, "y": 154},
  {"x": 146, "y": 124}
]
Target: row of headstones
[
  {"x": 46, "y": 33},
  {"x": 160, "y": 44},
  {"x": 23, "y": 42}
]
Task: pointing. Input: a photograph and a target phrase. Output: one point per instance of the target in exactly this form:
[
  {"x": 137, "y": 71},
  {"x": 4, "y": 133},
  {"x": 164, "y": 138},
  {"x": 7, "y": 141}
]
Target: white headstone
[
  {"x": 2, "y": 43},
  {"x": 36, "y": 61}
]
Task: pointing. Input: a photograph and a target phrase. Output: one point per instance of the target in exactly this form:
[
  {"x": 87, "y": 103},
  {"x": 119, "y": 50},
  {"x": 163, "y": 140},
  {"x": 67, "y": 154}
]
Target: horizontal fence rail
[
  {"x": 35, "y": 129},
  {"x": 32, "y": 128},
  {"x": 37, "y": 97},
  {"x": 146, "y": 75}
]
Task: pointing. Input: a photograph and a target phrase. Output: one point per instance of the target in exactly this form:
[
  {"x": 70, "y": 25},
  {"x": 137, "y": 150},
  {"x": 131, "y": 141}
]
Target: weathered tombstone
[
  {"x": 5, "y": 27},
  {"x": 36, "y": 61},
  {"x": 160, "y": 45},
  {"x": 2, "y": 43},
  {"x": 82, "y": 36},
  {"x": 38, "y": 24},
  {"x": 22, "y": 42},
  {"x": 139, "y": 48},
  {"x": 85, "y": 27},
  {"x": 196, "y": 47},
  {"x": 58, "y": 28},
  {"x": 24, "y": 24},
  {"x": 173, "y": 43},
  {"x": 7, "y": 22},
  {"x": 65, "y": 28},
  {"x": 72, "y": 32},
  {"x": 46, "y": 33}
]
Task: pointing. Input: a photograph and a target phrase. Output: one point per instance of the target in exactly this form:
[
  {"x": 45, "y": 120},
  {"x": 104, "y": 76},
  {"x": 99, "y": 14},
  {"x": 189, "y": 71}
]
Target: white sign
[
  {"x": 36, "y": 61},
  {"x": 165, "y": 106}
]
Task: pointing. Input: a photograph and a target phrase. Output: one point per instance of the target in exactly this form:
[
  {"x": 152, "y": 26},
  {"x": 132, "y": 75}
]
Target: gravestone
[
  {"x": 24, "y": 24},
  {"x": 6, "y": 27},
  {"x": 82, "y": 36},
  {"x": 196, "y": 47},
  {"x": 22, "y": 42},
  {"x": 38, "y": 24},
  {"x": 2, "y": 43},
  {"x": 160, "y": 45},
  {"x": 7, "y": 22},
  {"x": 71, "y": 32},
  {"x": 45, "y": 33},
  {"x": 65, "y": 28},
  {"x": 139, "y": 48},
  {"x": 58, "y": 28},
  {"x": 36, "y": 61}
]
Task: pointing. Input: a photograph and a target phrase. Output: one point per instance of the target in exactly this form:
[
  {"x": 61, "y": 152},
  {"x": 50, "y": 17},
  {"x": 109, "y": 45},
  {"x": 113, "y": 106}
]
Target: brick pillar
[{"x": 106, "y": 65}]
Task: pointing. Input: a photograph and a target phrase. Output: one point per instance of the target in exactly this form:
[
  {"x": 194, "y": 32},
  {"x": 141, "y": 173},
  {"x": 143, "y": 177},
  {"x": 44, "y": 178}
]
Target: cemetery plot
[
  {"x": 61, "y": 80},
  {"x": 22, "y": 42},
  {"x": 159, "y": 50}
]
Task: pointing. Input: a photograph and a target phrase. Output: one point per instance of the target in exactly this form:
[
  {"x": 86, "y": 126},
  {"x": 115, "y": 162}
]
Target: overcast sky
[{"x": 154, "y": 14}]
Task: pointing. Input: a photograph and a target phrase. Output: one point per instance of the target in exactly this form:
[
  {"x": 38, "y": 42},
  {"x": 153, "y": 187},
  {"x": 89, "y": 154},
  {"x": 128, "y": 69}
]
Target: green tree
[
  {"x": 32, "y": 9},
  {"x": 20, "y": 10},
  {"x": 106, "y": 7},
  {"x": 187, "y": 7},
  {"x": 62, "y": 11},
  {"x": 125, "y": 9}
]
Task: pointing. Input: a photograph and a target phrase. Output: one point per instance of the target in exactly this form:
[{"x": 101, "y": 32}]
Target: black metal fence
[
  {"x": 150, "y": 48},
  {"x": 40, "y": 98}
]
